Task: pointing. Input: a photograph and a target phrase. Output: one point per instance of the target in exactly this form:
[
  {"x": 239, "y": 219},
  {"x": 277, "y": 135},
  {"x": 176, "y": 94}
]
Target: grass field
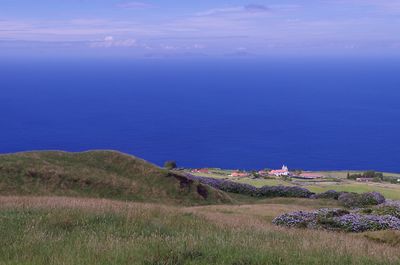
[
  {"x": 48, "y": 230},
  {"x": 109, "y": 208},
  {"x": 390, "y": 191}
]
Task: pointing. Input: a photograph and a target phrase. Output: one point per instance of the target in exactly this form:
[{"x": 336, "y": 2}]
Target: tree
[{"x": 170, "y": 165}]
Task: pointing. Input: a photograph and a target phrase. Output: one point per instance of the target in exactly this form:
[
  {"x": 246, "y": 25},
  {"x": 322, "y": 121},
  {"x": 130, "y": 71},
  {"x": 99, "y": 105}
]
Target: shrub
[
  {"x": 322, "y": 218},
  {"x": 284, "y": 191},
  {"x": 225, "y": 185},
  {"x": 246, "y": 189},
  {"x": 387, "y": 210},
  {"x": 349, "y": 200},
  {"x": 330, "y": 194},
  {"x": 376, "y": 176},
  {"x": 392, "y": 203},
  {"x": 170, "y": 165},
  {"x": 338, "y": 219},
  {"x": 354, "y": 200},
  {"x": 360, "y": 223},
  {"x": 372, "y": 198},
  {"x": 296, "y": 220}
]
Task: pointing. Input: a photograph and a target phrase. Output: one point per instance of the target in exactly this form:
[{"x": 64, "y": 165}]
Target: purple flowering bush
[
  {"x": 372, "y": 198},
  {"x": 383, "y": 209},
  {"x": 330, "y": 194},
  {"x": 283, "y": 191},
  {"x": 297, "y": 219},
  {"x": 226, "y": 185},
  {"x": 246, "y": 189},
  {"x": 360, "y": 223},
  {"x": 355, "y": 200},
  {"x": 322, "y": 218},
  {"x": 349, "y": 200},
  {"x": 392, "y": 203},
  {"x": 338, "y": 219}
]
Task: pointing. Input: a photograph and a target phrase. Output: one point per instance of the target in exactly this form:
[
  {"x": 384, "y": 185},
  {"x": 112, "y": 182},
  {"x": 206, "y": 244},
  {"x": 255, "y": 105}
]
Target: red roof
[{"x": 278, "y": 171}]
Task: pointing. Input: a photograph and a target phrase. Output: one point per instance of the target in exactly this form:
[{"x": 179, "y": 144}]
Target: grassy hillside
[
  {"x": 90, "y": 231},
  {"x": 99, "y": 174},
  {"x": 55, "y": 228}
]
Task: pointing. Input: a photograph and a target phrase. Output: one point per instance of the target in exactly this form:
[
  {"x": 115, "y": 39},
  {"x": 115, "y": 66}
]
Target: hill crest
[{"x": 99, "y": 174}]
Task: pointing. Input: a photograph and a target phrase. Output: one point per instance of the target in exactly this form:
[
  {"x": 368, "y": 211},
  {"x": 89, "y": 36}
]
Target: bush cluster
[
  {"x": 330, "y": 194},
  {"x": 350, "y": 200},
  {"x": 376, "y": 176},
  {"x": 338, "y": 219},
  {"x": 284, "y": 191},
  {"x": 383, "y": 209},
  {"x": 360, "y": 223},
  {"x": 170, "y": 165},
  {"x": 246, "y": 189},
  {"x": 355, "y": 200}
]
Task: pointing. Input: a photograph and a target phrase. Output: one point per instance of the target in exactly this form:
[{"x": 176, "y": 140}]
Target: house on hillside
[{"x": 280, "y": 172}]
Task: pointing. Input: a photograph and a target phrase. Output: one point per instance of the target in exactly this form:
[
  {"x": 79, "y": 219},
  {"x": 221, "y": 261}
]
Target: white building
[{"x": 280, "y": 172}]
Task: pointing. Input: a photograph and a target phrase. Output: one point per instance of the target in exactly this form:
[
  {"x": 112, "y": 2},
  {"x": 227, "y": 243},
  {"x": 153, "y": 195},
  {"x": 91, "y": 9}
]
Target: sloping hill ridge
[{"x": 99, "y": 174}]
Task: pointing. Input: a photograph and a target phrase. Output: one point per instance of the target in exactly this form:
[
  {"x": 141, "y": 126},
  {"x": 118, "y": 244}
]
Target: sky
[{"x": 155, "y": 28}]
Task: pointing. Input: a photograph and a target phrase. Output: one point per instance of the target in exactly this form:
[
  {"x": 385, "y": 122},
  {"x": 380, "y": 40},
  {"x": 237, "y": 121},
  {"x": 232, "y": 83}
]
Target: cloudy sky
[{"x": 204, "y": 28}]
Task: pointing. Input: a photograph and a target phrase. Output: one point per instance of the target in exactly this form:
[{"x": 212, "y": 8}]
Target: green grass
[
  {"x": 99, "y": 174},
  {"x": 146, "y": 234},
  {"x": 264, "y": 182},
  {"x": 211, "y": 175},
  {"x": 171, "y": 222},
  {"x": 392, "y": 192},
  {"x": 343, "y": 173}
]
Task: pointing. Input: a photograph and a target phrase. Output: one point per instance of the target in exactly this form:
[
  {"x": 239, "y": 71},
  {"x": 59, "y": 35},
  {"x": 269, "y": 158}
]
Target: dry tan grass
[
  {"x": 241, "y": 218},
  {"x": 259, "y": 217},
  {"x": 87, "y": 204}
]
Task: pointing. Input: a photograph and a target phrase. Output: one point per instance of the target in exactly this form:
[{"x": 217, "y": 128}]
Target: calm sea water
[{"x": 316, "y": 114}]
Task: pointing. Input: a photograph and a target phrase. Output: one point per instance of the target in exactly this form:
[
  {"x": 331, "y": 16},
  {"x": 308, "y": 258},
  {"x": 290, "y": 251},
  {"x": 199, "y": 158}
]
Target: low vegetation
[
  {"x": 99, "y": 174},
  {"x": 246, "y": 189},
  {"x": 170, "y": 165},
  {"x": 92, "y": 231},
  {"x": 369, "y": 212},
  {"x": 356, "y": 200},
  {"x": 367, "y": 175},
  {"x": 332, "y": 180},
  {"x": 56, "y": 208},
  {"x": 338, "y": 219}
]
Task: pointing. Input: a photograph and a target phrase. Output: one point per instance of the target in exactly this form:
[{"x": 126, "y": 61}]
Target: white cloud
[
  {"x": 110, "y": 42},
  {"x": 198, "y": 46},
  {"x": 251, "y": 8},
  {"x": 257, "y": 27},
  {"x": 109, "y": 39},
  {"x": 134, "y": 5}
]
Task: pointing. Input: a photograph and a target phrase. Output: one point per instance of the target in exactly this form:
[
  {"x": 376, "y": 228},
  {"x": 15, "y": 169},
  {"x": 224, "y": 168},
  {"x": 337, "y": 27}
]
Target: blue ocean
[{"x": 315, "y": 114}]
